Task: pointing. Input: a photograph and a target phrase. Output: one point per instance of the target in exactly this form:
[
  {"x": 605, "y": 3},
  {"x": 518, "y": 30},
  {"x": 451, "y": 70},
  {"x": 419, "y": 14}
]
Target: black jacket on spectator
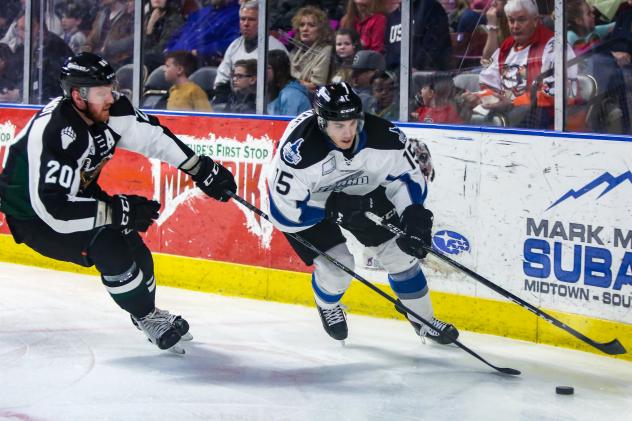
[
  {"x": 430, "y": 44},
  {"x": 55, "y": 51},
  {"x": 237, "y": 103},
  {"x": 622, "y": 31}
]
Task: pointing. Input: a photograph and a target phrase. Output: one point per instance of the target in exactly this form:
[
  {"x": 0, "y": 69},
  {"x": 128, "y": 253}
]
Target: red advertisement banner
[{"x": 192, "y": 224}]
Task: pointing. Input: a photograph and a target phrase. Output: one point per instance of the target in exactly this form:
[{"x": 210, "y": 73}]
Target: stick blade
[
  {"x": 510, "y": 371},
  {"x": 613, "y": 347}
]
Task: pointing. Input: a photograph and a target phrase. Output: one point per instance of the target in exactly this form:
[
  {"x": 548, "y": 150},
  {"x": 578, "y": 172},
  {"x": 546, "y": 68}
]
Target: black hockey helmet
[
  {"x": 337, "y": 102},
  {"x": 85, "y": 70}
]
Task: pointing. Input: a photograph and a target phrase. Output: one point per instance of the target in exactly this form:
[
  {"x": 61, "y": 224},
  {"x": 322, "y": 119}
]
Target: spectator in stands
[
  {"x": 112, "y": 34},
  {"x": 437, "y": 97},
  {"x": 453, "y": 9},
  {"x": 9, "y": 83},
  {"x": 384, "y": 88},
  {"x": 586, "y": 37},
  {"x": 288, "y": 95},
  {"x": 368, "y": 19},
  {"x": 208, "y": 32},
  {"x": 8, "y": 13},
  {"x": 516, "y": 65},
  {"x": 473, "y": 16},
  {"x": 430, "y": 43},
  {"x": 11, "y": 37},
  {"x": 71, "y": 19},
  {"x": 244, "y": 47},
  {"x": 243, "y": 96},
  {"x": 582, "y": 33},
  {"x": 367, "y": 64},
  {"x": 311, "y": 59},
  {"x": 347, "y": 45},
  {"x": 53, "y": 53},
  {"x": 184, "y": 94},
  {"x": 392, "y": 34},
  {"x": 282, "y": 11},
  {"x": 497, "y": 29},
  {"x": 160, "y": 25}
]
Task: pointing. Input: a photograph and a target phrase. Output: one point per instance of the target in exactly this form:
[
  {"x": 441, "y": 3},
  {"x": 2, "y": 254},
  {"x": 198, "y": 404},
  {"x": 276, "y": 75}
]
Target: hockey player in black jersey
[
  {"x": 333, "y": 164},
  {"x": 50, "y": 195}
]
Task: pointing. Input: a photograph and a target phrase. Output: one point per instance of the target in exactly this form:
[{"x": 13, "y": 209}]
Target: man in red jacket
[{"x": 515, "y": 65}]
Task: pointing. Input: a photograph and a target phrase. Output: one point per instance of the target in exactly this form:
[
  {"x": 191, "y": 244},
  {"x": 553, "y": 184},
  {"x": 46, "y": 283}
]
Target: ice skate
[
  {"x": 159, "y": 330},
  {"x": 450, "y": 333},
  {"x": 334, "y": 321},
  {"x": 181, "y": 325}
]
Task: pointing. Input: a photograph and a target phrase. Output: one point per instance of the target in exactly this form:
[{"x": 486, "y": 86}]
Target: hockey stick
[
  {"x": 613, "y": 347},
  {"x": 398, "y": 305}
]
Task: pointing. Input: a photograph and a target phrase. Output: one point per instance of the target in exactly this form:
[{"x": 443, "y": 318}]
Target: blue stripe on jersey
[
  {"x": 415, "y": 192},
  {"x": 409, "y": 282},
  {"x": 328, "y": 298},
  {"x": 309, "y": 215}
]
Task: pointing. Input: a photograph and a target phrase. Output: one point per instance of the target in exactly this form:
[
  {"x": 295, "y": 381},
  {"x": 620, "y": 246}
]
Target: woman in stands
[
  {"x": 289, "y": 97},
  {"x": 311, "y": 59},
  {"x": 368, "y": 19},
  {"x": 160, "y": 24}
]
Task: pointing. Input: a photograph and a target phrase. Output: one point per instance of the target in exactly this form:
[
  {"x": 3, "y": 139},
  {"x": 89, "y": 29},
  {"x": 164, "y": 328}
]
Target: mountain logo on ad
[
  {"x": 450, "y": 242},
  {"x": 606, "y": 179}
]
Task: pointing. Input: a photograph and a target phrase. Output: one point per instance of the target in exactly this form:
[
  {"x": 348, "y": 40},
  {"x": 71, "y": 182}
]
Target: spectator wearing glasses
[
  {"x": 243, "y": 96},
  {"x": 244, "y": 47}
]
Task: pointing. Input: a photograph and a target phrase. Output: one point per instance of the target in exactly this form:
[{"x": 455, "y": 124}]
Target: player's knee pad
[
  {"x": 329, "y": 281},
  {"x": 392, "y": 258},
  {"x": 140, "y": 252},
  {"x": 110, "y": 252}
]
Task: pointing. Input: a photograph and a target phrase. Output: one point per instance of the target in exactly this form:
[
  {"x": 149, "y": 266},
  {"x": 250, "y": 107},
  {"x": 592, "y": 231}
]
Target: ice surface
[{"x": 67, "y": 352}]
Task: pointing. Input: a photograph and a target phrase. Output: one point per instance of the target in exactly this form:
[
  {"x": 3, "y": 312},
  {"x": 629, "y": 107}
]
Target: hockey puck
[{"x": 564, "y": 390}]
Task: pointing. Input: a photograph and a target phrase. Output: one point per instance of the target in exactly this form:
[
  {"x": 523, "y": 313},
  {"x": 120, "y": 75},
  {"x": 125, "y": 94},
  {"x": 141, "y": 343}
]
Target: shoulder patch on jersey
[
  {"x": 400, "y": 135},
  {"x": 68, "y": 136},
  {"x": 291, "y": 153},
  {"x": 382, "y": 134}
]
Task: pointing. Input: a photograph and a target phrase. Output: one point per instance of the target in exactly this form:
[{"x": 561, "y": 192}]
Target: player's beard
[{"x": 99, "y": 114}]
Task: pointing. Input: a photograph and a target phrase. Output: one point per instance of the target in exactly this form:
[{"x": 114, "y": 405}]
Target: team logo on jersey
[
  {"x": 329, "y": 166},
  {"x": 291, "y": 153},
  {"x": 395, "y": 130},
  {"x": 68, "y": 136}
]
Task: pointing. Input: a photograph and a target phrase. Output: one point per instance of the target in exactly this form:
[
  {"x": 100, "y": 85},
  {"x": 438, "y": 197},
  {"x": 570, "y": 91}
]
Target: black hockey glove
[
  {"x": 416, "y": 222},
  {"x": 134, "y": 212},
  {"x": 348, "y": 210},
  {"x": 213, "y": 178}
]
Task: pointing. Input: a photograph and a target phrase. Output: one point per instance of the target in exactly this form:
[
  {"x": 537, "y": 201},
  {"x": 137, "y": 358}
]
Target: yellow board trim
[{"x": 500, "y": 318}]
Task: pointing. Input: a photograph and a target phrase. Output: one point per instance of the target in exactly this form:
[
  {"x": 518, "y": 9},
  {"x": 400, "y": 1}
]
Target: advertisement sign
[{"x": 547, "y": 218}]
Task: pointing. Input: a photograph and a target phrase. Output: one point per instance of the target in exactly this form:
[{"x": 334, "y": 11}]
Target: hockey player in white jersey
[
  {"x": 333, "y": 164},
  {"x": 50, "y": 195}
]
